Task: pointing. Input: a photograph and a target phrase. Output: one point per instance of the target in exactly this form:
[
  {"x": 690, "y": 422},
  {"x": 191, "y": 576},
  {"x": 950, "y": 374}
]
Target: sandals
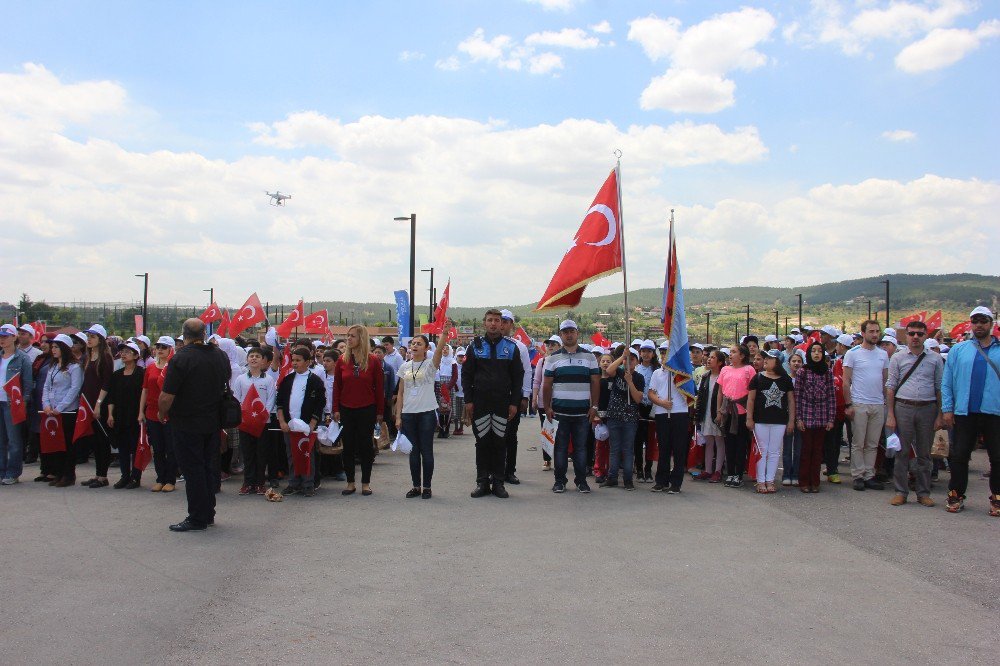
[
  {"x": 770, "y": 487},
  {"x": 761, "y": 489}
]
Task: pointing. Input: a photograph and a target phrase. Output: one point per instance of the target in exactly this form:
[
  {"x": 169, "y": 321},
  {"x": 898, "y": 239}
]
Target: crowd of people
[{"x": 909, "y": 408}]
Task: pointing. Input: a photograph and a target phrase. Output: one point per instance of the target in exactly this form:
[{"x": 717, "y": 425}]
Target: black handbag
[{"x": 230, "y": 410}]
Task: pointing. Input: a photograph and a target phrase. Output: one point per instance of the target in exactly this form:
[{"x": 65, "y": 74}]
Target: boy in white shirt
[{"x": 255, "y": 449}]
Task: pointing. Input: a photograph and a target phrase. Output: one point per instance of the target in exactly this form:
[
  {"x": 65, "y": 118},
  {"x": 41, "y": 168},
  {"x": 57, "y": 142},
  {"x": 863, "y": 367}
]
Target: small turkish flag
[
  {"x": 18, "y": 410},
  {"x": 224, "y": 325},
  {"x": 84, "y": 420},
  {"x": 522, "y": 335},
  {"x": 52, "y": 439},
  {"x": 255, "y": 414},
  {"x": 436, "y": 327},
  {"x": 251, "y": 313},
  {"x": 317, "y": 322},
  {"x": 596, "y": 251},
  {"x": 919, "y": 316},
  {"x": 934, "y": 322},
  {"x": 286, "y": 363},
  {"x": 752, "y": 462},
  {"x": 292, "y": 321},
  {"x": 39, "y": 330},
  {"x": 960, "y": 329},
  {"x": 211, "y": 313},
  {"x": 452, "y": 334},
  {"x": 143, "y": 452},
  {"x": 302, "y": 448},
  {"x": 599, "y": 340}
]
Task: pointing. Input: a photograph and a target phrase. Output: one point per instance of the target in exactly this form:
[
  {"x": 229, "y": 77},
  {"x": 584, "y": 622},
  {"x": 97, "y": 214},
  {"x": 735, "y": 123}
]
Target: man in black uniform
[{"x": 492, "y": 377}]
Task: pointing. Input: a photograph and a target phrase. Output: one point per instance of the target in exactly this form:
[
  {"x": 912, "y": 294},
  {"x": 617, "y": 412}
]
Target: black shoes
[
  {"x": 606, "y": 482},
  {"x": 673, "y": 490},
  {"x": 658, "y": 488},
  {"x": 426, "y": 494},
  {"x": 859, "y": 484},
  {"x": 187, "y": 525},
  {"x": 413, "y": 492},
  {"x": 629, "y": 485},
  {"x": 500, "y": 491},
  {"x": 131, "y": 485},
  {"x": 482, "y": 490},
  {"x": 583, "y": 487},
  {"x": 874, "y": 485},
  {"x": 512, "y": 479},
  {"x": 121, "y": 483},
  {"x": 558, "y": 487}
]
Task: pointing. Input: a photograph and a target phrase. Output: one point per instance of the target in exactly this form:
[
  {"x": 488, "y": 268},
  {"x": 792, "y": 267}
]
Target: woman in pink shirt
[{"x": 734, "y": 382}]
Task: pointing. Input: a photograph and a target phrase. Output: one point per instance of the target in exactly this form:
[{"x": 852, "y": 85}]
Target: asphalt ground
[{"x": 713, "y": 575}]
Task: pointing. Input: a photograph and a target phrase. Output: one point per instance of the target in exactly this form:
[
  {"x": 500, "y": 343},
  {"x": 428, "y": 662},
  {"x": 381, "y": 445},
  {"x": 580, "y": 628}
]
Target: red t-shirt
[
  {"x": 355, "y": 388},
  {"x": 153, "y": 383}
]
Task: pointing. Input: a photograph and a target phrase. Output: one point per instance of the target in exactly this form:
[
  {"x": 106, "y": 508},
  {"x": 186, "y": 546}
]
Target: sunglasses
[
  {"x": 161, "y": 347},
  {"x": 916, "y": 334}
]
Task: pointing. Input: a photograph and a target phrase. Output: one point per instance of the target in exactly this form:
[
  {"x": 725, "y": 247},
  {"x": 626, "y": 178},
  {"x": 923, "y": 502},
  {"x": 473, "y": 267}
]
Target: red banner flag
[
  {"x": 918, "y": 316},
  {"x": 934, "y": 322},
  {"x": 596, "y": 251},
  {"x": 286, "y": 363},
  {"x": 18, "y": 410},
  {"x": 224, "y": 325},
  {"x": 211, "y": 313},
  {"x": 39, "y": 330},
  {"x": 599, "y": 340},
  {"x": 292, "y": 321},
  {"x": 143, "y": 452},
  {"x": 960, "y": 330},
  {"x": 452, "y": 334},
  {"x": 255, "y": 414},
  {"x": 317, "y": 322},
  {"x": 251, "y": 313},
  {"x": 84, "y": 420},
  {"x": 302, "y": 448},
  {"x": 52, "y": 439},
  {"x": 436, "y": 327},
  {"x": 522, "y": 335}
]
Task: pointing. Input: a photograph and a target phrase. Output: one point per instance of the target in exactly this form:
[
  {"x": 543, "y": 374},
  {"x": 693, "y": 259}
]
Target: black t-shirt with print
[
  {"x": 619, "y": 406},
  {"x": 771, "y": 403}
]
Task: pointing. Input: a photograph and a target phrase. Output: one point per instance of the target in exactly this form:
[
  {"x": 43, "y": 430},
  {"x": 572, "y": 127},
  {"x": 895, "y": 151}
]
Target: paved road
[{"x": 713, "y": 575}]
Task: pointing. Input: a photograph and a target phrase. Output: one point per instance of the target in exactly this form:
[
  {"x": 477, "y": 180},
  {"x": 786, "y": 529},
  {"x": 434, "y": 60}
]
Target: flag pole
[{"x": 621, "y": 225}]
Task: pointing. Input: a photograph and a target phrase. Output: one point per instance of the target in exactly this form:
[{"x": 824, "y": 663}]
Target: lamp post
[
  {"x": 775, "y": 323},
  {"x": 413, "y": 260},
  {"x": 430, "y": 309},
  {"x": 869, "y": 308},
  {"x": 145, "y": 300},
  {"x": 800, "y": 312},
  {"x": 211, "y": 299},
  {"x": 748, "y": 319},
  {"x": 708, "y": 333},
  {"x": 886, "y": 283}
]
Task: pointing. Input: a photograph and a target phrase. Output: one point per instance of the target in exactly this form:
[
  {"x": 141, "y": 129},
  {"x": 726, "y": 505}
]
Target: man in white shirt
[
  {"x": 25, "y": 340},
  {"x": 392, "y": 355},
  {"x": 866, "y": 368}
]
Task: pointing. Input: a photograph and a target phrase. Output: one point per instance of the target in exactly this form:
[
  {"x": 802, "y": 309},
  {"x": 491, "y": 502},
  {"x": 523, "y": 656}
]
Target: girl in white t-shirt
[{"x": 416, "y": 410}]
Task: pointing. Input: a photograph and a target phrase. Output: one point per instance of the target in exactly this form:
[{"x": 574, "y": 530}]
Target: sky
[{"x": 796, "y": 142}]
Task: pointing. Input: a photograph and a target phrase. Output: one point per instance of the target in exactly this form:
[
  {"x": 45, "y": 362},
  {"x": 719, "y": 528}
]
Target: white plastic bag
[
  {"x": 548, "y": 435},
  {"x": 402, "y": 444},
  {"x": 321, "y": 436},
  {"x": 298, "y": 425},
  {"x": 601, "y": 433},
  {"x": 892, "y": 445}
]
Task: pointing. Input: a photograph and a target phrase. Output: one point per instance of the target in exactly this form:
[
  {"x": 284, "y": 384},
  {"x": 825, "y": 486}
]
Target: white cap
[
  {"x": 134, "y": 347},
  {"x": 214, "y": 336},
  {"x": 647, "y": 344},
  {"x": 633, "y": 351},
  {"x": 597, "y": 348},
  {"x": 318, "y": 343},
  {"x": 696, "y": 345},
  {"x": 943, "y": 348},
  {"x": 63, "y": 338},
  {"x": 795, "y": 330},
  {"x": 431, "y": 346},
  {"x": 636, "y": 342},
  {"x": 616, "y": 345},
  {"x": 889, "y": 338},
  {"x": 584, "y": 347},
  {"x": 7, "y": 330},
  {"x": 143, "y": 339},
  {"x": 81, "y": 336},
  {"x": 931, "y": 343},
  {"x": 27, "y": 328},
  {"x": 665, "y": 345},
  {"x": 555, "y": 338},
  {"x": 507, "y": 314},
  {"x": 770, "y": 337},
  {"x": 830, "y": 330},
  {"x": 460, "y": 351},
  {"x": 798, "y": 339},
  {"x": 890, "y": 331},
  {"x": 725, "y": 350},
  {"x": 845, "y": 339},
  {"x": 97, "y": 329},
  {"x": 801, "y": 354},
  {"x": 981, "y": 310},
  {"x": 567, "y": 324},
  {"x": 166, "y": 340}
]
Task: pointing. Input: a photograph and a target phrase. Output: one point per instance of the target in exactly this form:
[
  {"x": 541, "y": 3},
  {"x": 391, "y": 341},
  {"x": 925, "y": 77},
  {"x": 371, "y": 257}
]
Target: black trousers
[
  {"x": 198, "y": 458},
  {"x": 673, "y": 440},
  {"x": 489, "y": 425},
  {"x": 254, "y": 452},
  {"x": 126, "y": 438},
  {"x": 62, "y": 464},
  {"x": 641, "y": 436},
  {"x": 831, "y": 448},
  {"x": 510, "y": 438},
  {"x": 100, "y": 444},
  {"x": 967, "y": 431},
  {"x": 359, "y": 426},
  {"x": 737, "y": 446},
  {"x": 162, "y": 442}
]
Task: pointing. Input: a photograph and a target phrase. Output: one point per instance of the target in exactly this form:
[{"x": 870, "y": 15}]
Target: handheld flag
[
  {"x": 15, "y": 397},
  {"x": 675, "y": 323},
  {"x": 39, "y": 330},
  {"x": 522, "y": 335},
  {"x": 436, "y": 327},
  {"x": 599, "y": 340},
  {"x": 293, "y": 320},
  {"x": 255, "y": 414},
  {"x": 317, "y": 322},
  {"x": 934, "y": 322},
  {"x": 224, "y": 325},
  {"x": 301, "y": 447},
  {"x": 143, "y": 452},
  {"x": 918, "y": 316},
  {"x": 251, "y": 313},
  {"x": 84, "y": 420},
  {"x": 211, "y": 313},
  {"x": 286, "y": 364},
  {"x": 596, "y": 251},
  {"x": 52, "y": 438}
]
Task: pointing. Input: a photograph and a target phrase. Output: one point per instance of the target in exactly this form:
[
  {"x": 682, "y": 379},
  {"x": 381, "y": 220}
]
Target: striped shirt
[{"x": 571, "y": 375}]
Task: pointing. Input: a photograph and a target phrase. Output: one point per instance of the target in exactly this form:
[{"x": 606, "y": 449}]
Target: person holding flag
[
  {"x": 301, "y": 395},
  {"x": 98, "y": 365},
  {"x": 158, "y": 432},
  {"x": 122, "y": 397},
  {"x": 518, "y": 338},
  {"x": 257, "y": 392},
  {"x": 14, "y": 363},
  {"x": 60, "y": 398}
]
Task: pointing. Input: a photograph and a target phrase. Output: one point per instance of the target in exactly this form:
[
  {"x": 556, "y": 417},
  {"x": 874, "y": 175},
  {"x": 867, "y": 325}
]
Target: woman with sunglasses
[
  {"x": 60, "y": 399},
  {"x": 158, "y": 431}
]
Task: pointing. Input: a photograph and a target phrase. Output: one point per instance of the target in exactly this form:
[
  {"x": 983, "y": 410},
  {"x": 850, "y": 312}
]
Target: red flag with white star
[
  {"x": 84, "y": 420},
  {"x": 251, "y": 313},
  {"x": 318, "y": 322},
  {"x": 302, "y": 449},
  {"x": 292, "y": 321},
  {"x": 211, "y": 313},
  {"x": 255, "y": 414},
  {"x": 18, "y": 410},
  {"x": 51, "y": 436}
]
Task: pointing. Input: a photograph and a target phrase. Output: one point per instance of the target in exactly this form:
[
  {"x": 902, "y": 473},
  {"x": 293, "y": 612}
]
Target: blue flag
[
  {"x": 675, "y": 324},
  {"x": 403, "y": 313}
]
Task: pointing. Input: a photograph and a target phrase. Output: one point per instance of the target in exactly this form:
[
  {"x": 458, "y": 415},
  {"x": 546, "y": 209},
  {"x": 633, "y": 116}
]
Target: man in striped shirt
[{"x": 571, "y": 389}]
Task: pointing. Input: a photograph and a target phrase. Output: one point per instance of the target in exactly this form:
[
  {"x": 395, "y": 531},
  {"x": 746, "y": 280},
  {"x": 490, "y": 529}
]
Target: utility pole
[
  {"x": 800, "y": 312},
  {"x": 708, "y": 332},
  {"x": 886, "y": 283}
]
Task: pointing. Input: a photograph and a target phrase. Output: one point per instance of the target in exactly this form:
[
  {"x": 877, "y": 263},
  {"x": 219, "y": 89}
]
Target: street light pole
[
  {"x": 430, "y": 309},
  {"x": 145, "y": 300},
  {"x": 775, "y": 323},
  {"x": 800, "y": 312},
  {"x": 886, "y": 283},
  {"x": 413, "y": 266},
  {"x": 869, "y": 308},
  {"x": 748, "y": 319},
  {"x": 211, "y": 299},
  {"x": 708, "y": 332}
]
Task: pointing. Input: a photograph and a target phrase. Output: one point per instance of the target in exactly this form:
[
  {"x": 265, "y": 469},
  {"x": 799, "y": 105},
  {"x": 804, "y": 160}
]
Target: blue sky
[{"x": 768, "y": 117}]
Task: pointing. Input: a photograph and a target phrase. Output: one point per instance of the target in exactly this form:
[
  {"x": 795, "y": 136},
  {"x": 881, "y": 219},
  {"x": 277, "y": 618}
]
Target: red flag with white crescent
[
  {"x": 599, "y": 340},
  {"x": 302, "y": 448},
  {"x": 917, "y": 316},
  {"x": 960, "y": 330},
  {"x": 286, "y": 363},
  {"x": 317, "y": 322},
  {"x": 436, "y": 327},
  {"x": 251, "y": 313},
  {"x": 934, "y": 322},
  {"x": 224, "y": 325},
  {"x": 84, "y": 420},
  {"x": 596, "y": 251},
  {"x": 39, "y": 330},
  {"x": 211, "y": 313},
  {"x": 52, "y": 439},
  {"x": 143, "y": 452},
  {"x": 15, "y": 397},
  {"x": 522, "y": 335},
  {"x": 292, "y": 321},
  {"x": 255, "y": 414}
]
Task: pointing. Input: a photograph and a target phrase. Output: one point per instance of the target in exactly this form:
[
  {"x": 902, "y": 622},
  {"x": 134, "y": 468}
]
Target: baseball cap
[
  {"x": 586, "y": 347},
  {"x": 166, "y": 340},
  {"x": 647, "y": 344},
  {"x": 63, "y": 338},
  {"x": 97, "y": 329},
  {"x": 616, "y": 345},
  {"x": 8, "y": 330},
  {"x": 568, "y": 324},
  {"x": 943, "y": 348},
  {"x": 143, "y": 339},
  {"x": 801, "y": 354},
  {"x": 696, "y": 345},
  {"x": 81, "y": 336},
  {"x": 318, "y": 343},
  {"x": 597, "y": 349},
  {"x": 795, "y": 330},
  {"x": 845, "y": 339},
  {"x": 636, "y": 342},
  {"x": 271, "y": 337},
  {"x": 555, "y": 339},
  {"x": 633, "y": 351},
  {"x": 981, "y": 310},
  {"x": 134, "y": 347},
  {"x": 890, "y": 331},
  {"x": 889, "y": 338},
  {"x": 798, "y": 339},
  {"x": 460, "y": 351},
  {"x": 27, "y": 328},
  {"x": 725, "y": 350},
  {"x": 830, "y": 330},
  {"x": 665, "y": 345},
  {"x": 507, "y": 314},
  {"x": 931, "y": 343},
  {"x": 774, "y": 353},
  {"x": 771, "y": 337}
]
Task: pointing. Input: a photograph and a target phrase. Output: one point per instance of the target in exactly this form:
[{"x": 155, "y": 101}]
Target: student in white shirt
[{"x": 254, "y": 450}]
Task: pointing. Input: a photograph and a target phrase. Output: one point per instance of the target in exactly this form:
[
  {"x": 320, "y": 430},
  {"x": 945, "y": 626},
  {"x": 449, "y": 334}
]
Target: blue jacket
[
  {"x": 957, "y": 379},
  {"x": 19, "y": 362}
]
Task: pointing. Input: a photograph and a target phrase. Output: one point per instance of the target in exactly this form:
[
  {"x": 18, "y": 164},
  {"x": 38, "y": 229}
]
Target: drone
[{"x": 277, "y": 198}]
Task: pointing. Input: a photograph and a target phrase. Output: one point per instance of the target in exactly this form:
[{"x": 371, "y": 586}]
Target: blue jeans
[
  {"x": 419, "y": 429},
  {"x": 621, "y": 447},
  {"x": 11, "y": 445},
  {"x": 577, "y": 429},
  {"x": 790, "y": 455}
]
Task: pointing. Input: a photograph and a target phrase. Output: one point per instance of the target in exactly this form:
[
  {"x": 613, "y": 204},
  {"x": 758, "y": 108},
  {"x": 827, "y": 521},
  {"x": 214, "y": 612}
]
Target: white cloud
[
  {"x": 570, "y": 38},
  {"x": 449, "y": 64},
  {"x": 544, "y": 63},
  {"x": 406, "y": 56},
  {"x": 944, "y": 47},
  {"x": 602, "y": 28},
  {"x": 555, "y": 5},
  {"x": 899, "y": 135},
  {"x": 700, "y": 57}
]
